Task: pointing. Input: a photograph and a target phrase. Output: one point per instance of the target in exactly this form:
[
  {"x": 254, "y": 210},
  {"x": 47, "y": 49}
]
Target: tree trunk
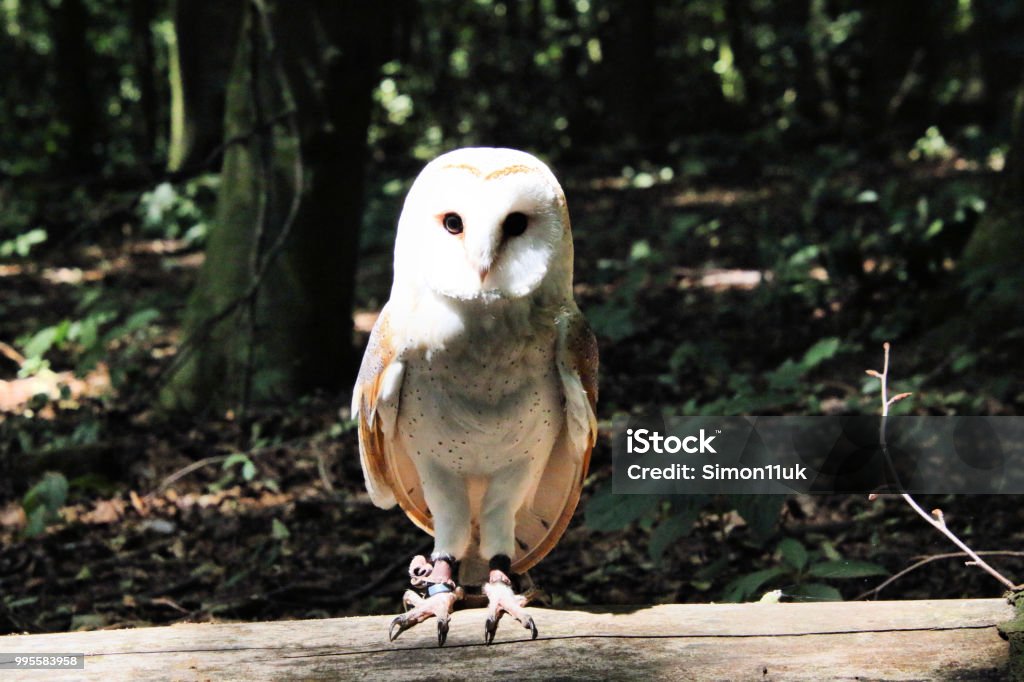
[
  {"x": 290, "y": 207},
  {"x": 201, "y": 55},
  {"x": 993, "y": 260},
  {"x": 142, "y": 15},
  {"x": 76, "y": 105},
  {"x": 630, "y": 71}
]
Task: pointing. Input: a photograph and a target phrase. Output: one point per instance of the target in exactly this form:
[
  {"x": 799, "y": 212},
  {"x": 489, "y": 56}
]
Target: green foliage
[
  {"x": 746, "y": 586},
  {"x": 279, "y": 531},
  {"x": 783, "y": 387},
  {"x": 932, "y": 147},
  {"x": 797, "y": 566},
  {"x": 677, "y": 524},
  {"x": 247, "y": 468},
  {"x": 608, "y": 512},
  {"x": 88, "y": 338},
  {"x": 761, "y": 512},
  {"x": 181, "y": 211},
  {"x": 672, "y": 521},
  {"x": 43, "y": 502},
  {"x": 22, "y": 244}
]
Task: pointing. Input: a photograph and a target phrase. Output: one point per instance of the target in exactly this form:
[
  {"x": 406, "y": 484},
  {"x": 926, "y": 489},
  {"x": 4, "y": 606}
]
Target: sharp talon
[
  {"x": 501, "y": 599},
  {"x": 438, "y": 606},
  {"x": 490, "y": 628},
  {"x": 392, "y": 635},
  {"x": 442, "y": 632}
]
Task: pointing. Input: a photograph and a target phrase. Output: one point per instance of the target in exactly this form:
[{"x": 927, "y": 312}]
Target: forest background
[{"x": 197, "y": 211}]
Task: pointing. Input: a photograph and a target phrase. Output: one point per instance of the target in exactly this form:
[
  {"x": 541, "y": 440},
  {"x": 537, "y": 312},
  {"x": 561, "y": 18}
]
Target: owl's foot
[
  {"x": 441, "y": 593},
  {"x": 502, "y": 599},
  {"x": 439, "y": 606}
]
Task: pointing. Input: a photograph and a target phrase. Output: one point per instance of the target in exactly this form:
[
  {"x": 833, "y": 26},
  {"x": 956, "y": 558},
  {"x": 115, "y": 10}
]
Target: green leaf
[
  {"x": 786, "y": 376},
  {"x": 40, "y": 342},
  {"x": 22, "y": 244},
  {"x": 819, "y": 352},
  {"x": 233, "y": 459},
  {"x": 668, "y": 531},
  {"x": 846, "y": 569},
  {"x": 741, "y": 588},
  {"x": 640, "y": 250},
  {"x": 36, "y": 522},
  {"x": 48, "y": 494},
  {"x": 608, "y": 512},
  {"x": 248, "y": 470},
  {"x": 761, "y": 512},
  {"x": 279, "y": 531},
  {"x": 793, "y": 553},
  {"x": 816, "y": 592},
  {"x": 139, "y": 319}
]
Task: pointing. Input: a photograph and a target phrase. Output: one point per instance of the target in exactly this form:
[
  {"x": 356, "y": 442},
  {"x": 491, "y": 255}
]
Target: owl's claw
[
  {"x": 501, "y": 599},
  {"x": 442, "y": 631},
  {"x": 437, "y": 606},
  {"x": 490, "y": 629}
]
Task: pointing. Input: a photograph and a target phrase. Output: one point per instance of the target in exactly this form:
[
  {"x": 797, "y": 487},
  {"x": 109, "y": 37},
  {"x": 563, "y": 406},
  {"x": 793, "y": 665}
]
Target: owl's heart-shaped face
[{"x": 484, "y": 223}]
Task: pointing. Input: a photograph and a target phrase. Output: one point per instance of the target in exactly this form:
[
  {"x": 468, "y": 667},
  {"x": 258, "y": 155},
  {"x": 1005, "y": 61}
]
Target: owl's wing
[
  {"x": 375, "y": 408},
  {"x": 546, "y": 514},
  {"x": 576, "y": 356}
]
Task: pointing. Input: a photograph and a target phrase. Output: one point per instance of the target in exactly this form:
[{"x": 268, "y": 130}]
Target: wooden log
[{"x": 863, "y": 640}]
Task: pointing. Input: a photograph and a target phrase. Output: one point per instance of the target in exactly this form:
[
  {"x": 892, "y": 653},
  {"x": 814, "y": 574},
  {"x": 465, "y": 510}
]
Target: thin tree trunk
[
  {"x": 994, "y": 255},
  {"x": 201, "y": 55},
  {"x": 142, "y": 15},
  {"x": 296, "y": 222},
  {"x": 76, "y": 104}
]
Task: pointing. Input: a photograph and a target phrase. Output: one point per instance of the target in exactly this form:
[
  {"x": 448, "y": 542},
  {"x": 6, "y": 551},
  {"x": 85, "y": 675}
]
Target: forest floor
[{"x": 696, "y": 297}]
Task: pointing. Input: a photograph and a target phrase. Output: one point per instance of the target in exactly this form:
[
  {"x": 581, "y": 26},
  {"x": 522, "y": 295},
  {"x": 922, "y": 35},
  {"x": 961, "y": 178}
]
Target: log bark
[{"x": 940, "y": 639}]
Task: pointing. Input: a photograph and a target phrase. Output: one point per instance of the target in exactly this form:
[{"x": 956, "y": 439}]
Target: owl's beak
[{"x": 481, "y": 250}]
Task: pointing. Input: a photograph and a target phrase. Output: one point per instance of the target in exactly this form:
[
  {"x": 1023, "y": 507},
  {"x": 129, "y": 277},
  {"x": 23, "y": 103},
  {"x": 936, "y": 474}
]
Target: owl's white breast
[{"x": 489, "y": 395}]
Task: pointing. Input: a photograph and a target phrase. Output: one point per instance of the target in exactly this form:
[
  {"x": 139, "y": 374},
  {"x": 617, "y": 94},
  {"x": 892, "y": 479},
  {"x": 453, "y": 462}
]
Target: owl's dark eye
[
  {"x": 452, "y": 222},
  {"x": 515, "y": 224}
]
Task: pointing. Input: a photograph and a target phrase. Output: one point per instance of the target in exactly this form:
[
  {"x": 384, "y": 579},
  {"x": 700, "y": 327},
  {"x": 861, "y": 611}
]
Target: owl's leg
[
  {"x": 502, "y": 599},
  {"x": 497, "y": 544},
  {"x": 447, "y": 497}
]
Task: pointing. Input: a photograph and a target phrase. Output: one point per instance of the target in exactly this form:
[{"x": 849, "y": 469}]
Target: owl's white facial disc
[{"x": 484, "y": 223}]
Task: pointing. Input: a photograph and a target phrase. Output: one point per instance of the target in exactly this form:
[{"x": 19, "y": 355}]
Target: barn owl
[{"x": 476, "y": 397}]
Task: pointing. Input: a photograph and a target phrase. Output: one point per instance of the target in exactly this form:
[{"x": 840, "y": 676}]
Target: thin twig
[
  {"x": 927, "y": 560},
  {"x": 11, "y": 353},
  {"x": 186, "y": 470},
  {"x": 255, "y": 452},
  {"x": 936, "y": 518}
]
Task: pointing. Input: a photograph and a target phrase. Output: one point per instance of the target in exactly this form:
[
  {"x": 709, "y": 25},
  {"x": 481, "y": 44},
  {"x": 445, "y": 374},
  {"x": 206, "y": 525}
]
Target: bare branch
[
  {"x": 875, "y": 591},
  {"x": 936, "y": 518}
]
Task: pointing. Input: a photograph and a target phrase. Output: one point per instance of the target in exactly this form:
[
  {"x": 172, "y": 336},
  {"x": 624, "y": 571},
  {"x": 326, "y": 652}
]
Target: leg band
[
  {"x": 500, "y": 562},
  {"x": 438, "y": 588}
]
